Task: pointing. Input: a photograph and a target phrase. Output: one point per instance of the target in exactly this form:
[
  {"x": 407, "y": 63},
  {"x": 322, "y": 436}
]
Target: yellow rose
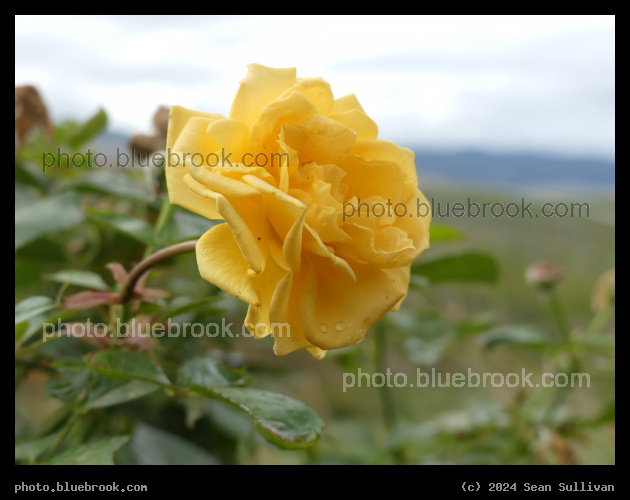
[{"x": 285, "y": 171}]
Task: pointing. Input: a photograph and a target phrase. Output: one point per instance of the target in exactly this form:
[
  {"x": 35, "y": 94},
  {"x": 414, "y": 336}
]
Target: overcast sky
[{"x": 543, "y": 84}]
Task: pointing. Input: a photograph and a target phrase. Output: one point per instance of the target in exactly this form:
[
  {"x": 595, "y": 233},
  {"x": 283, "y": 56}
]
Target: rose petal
[
  {"x": 250, "y": 245},
  {"x": 285, "y": 310},
  {"x": 178, "y": 192},
  {"x": 358, "y": 121},
  {"x": 289, "y": 110},
  {"x": 347, "y": 103},
  {"x": 315, "y": 90},
  {"x": 336, "y": 311},
  {"x": 324, "y": 220},
  {"x": 232, "y": 188},
  {"x": 260, "y": 87},
  {"x": 232, "y": 136},
  {"x": 258, "y": 320},
  {"x": 402, "y": 275},
  {"x": 367, "y": 177},
  {"x": 327, "y": 141},
  {"x": 390, "y": 152},
  {"x": 283, "y": 211},
  {"x": 368, "y": 246},
  {"x": 221, "y": 263}
]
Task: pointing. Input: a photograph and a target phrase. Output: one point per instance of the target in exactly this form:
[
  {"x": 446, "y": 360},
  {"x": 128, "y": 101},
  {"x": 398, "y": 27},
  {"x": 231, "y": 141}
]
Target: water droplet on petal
[
  {"x": 323, "y": 328},
  {"x": 340, "y": 325}
]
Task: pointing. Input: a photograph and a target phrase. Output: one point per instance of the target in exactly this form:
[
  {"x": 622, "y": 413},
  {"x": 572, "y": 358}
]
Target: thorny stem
[{"x": 149, "y": 262}]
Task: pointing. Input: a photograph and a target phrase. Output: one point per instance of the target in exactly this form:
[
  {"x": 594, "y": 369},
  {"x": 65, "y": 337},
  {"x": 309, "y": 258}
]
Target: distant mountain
[
  {"x": 481, "y": 167},
  {"x": 517, "y": 169},
  {"x": 109, "y": 142}
]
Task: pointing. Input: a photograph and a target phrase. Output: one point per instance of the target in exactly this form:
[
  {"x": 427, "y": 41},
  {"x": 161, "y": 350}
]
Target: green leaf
[
  {"x": 517, "y": 336},
  {"x": 201, "y": 305},
  {"x": 25, "y": 173},
  {"x": 152, "y": 446},
  {"x": 226, "y": 418},
  {"x": 194, "y": 408},
  {"x": 99, "y": 452},
  {"x": 30, "y": 450},
  {"x": 76, "y": 277},
  {"x": 114, "y": 183},
  {"x": 128, "y": 365},
  {"x": 25, "y": 195},
  {"x": 442, "y": 234},
  {"x": 31, "y": 307},
  {"x": 69, "y": 384},
  {"x": 287, "y": 423},
  {"x": 47, "y": 215},
  {"x": 26, "y": 329},
  {"x": 468, "y": 267},
  {"x": 90, "y": 129},
  {"x": 206, "y": 372},
  {"x": 283, "y": 421},
  {"x": 185, "y": 226},
  {"x": 41, "y": 324},
  {"x": 128, "y": 391},
  {"x": 131, "y": 226}
]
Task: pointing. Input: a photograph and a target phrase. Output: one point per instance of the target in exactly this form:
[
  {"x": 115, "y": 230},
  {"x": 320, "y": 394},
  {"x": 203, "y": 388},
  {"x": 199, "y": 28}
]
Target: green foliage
[
  {"x": 29, "y": 451},
  {"x": 85, "y": 279},
  {"x": 113, "y": 184},
  {"x": 281, "y": 420},
  {"x": 99, "y": 452},
  {"x": 45, "y": 216},
  {"x": 88, "y": 130},
  {"x": 87, "y": 398},
  {"x": 31, "y": 307},
  {"x": 128, "y": 225},
  {"x": 128, "y": 365},
  {"x": 151, "y": 446}
]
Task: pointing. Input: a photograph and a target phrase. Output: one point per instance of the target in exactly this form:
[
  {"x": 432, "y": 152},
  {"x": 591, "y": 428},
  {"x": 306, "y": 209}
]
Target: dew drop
[
  {"x": 323, "y": 328},
  {"x": 340, "y": 325}
]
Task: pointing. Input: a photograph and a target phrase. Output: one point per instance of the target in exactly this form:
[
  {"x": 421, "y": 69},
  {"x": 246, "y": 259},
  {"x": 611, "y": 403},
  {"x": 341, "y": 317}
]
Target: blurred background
[{"x": 497, "y": 109}]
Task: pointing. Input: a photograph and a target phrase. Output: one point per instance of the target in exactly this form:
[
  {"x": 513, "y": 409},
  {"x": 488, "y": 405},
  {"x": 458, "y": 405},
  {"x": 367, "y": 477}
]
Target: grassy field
[{"x": 584, "y": 247}]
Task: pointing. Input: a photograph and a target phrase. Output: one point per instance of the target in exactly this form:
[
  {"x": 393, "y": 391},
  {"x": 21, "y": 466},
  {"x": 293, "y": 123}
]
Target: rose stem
[{"x": 153, "y": 259}]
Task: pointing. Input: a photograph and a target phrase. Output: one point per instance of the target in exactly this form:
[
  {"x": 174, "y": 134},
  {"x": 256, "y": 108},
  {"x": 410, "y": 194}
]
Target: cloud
[{"x": 520, "y": 82}]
